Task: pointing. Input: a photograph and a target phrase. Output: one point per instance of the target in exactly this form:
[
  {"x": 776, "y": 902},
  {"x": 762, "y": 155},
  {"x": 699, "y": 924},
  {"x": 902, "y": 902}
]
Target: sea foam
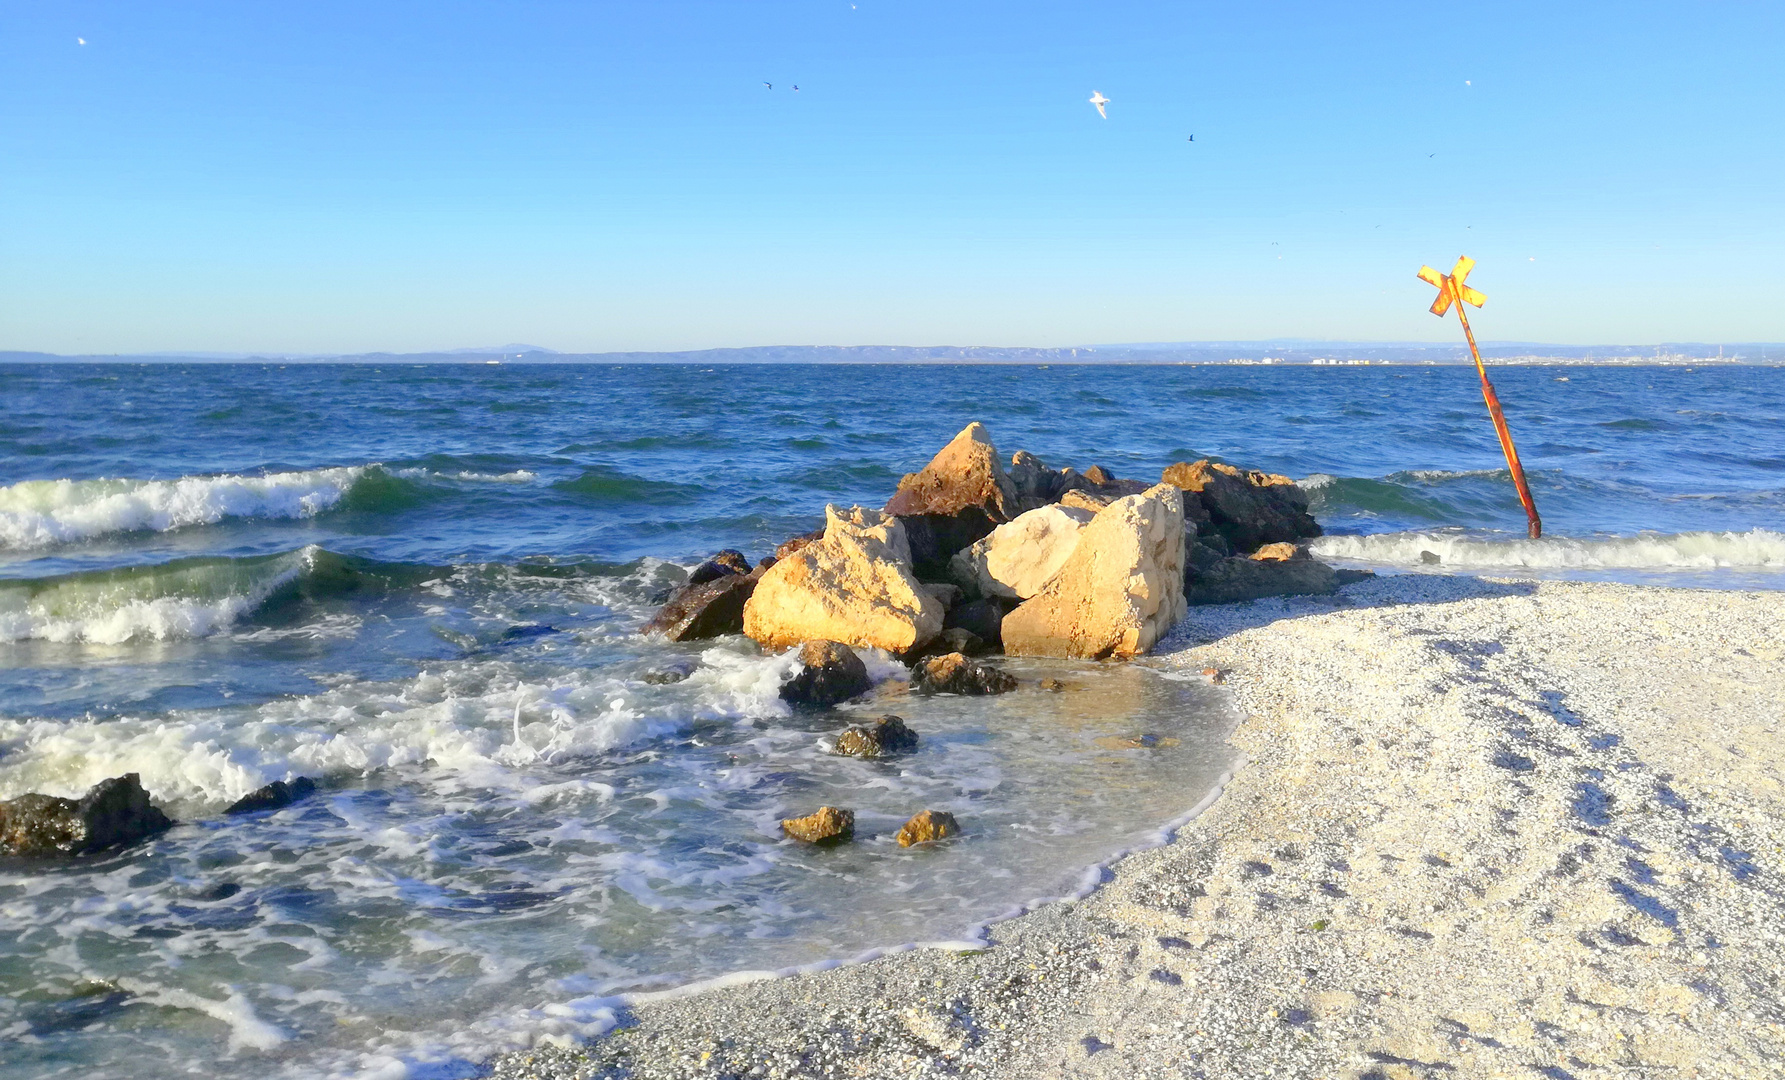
[{"x": 1756, "y": 549}]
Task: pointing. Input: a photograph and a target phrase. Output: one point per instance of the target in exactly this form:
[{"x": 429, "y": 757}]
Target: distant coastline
[{"x": 1283, "y": 352}]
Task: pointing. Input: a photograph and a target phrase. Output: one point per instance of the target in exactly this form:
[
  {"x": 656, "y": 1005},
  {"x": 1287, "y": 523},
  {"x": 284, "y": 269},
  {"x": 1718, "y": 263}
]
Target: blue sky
[{"x": 591, "y": 176}]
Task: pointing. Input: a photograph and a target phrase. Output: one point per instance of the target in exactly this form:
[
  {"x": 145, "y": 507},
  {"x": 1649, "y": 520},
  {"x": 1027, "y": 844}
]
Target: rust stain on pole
[{"x": 1452, "y": 290}]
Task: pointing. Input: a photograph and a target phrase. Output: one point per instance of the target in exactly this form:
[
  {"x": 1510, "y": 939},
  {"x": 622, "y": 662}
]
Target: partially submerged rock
[
  {"x": 955, "y": 674},
  {"x": 1232, "y": 580},
  {"x": 829, "y": 673},
  {"x": 854, "y": 586},
  {"x": 279, "y": 793},
  {"x": 1018, "y": 557},
  {"x": 112, "y": 813},
  {"x": 1120, "y": 591},
  {"x": 705, "y": 610},
  {"x": 954, "y": 500},
  {"x": 729, "y": 561},
  {"x": 928, "y": 827},
  {"x": 1246, "y": 507},
  {"x": 826, "y": 825},
  {"x": 884, "y": 737}
]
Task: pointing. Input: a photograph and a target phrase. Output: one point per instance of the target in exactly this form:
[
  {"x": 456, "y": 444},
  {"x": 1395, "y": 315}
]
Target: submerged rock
[
  {"x": 884, "y": 737},
  {"x": 854, "y": 586},
  {"x": 1120, "y": 591},
  {"x": 273, "y": 796},
  {"x": 1246, "y": 507},
  {"x": 829, "y": 673},
  {"x": 826, "y": 825},
  {"x": 954, "y": 500},
  {"x": 1232, "y": 580},
  {"x": 928, "y": 827},
  {"x": 1018, "y": 557},
  {"x": 955, "y": 674},
  {"x": 705, "y": 610},
  {"x": 112, "y": 813}
]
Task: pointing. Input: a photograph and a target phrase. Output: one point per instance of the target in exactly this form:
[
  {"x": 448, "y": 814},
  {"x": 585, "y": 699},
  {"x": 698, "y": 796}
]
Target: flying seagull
[
  {"x": 1192, "y": 138},
  {"x": 1100, "y": 101},
  {"x": 796, "y": 88},
  {"x": 82, "y": 40},
  {"x": 770, "y": 85}
]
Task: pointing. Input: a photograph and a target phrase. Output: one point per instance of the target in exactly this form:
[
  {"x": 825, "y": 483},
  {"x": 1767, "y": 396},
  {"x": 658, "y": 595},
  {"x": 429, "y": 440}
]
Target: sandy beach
[{"x": 1483, "y": 828}]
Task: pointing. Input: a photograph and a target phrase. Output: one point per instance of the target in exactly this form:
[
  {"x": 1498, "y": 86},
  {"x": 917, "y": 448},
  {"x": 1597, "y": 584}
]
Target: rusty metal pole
[{"x": 1451, "y": 288}]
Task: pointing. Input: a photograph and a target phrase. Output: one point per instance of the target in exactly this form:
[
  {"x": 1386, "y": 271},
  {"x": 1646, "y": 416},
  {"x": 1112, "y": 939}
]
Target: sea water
[{"x": 422, "y": 586}]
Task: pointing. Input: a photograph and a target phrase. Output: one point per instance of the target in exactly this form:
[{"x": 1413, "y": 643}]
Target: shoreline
[{"x": 1486, "y": 827}]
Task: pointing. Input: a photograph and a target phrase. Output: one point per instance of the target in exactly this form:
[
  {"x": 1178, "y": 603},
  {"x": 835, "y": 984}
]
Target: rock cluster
[
  {"x": 113, "y": 813},
  {"x": 953, "y": 673},
  {"x": 968, "y": 557}
]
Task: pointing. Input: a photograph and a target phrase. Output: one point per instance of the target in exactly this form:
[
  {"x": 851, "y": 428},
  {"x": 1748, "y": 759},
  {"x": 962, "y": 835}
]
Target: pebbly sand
[{"x": 1485, "y": 828}]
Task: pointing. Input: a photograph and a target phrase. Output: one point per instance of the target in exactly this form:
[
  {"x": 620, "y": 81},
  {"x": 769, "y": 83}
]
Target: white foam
[
  {"x": 1760, "y": 549},
  {"x": 518, "y": 476},
  {"x": 38, "y": 513},
  {"x": 246, "y": 1028}
]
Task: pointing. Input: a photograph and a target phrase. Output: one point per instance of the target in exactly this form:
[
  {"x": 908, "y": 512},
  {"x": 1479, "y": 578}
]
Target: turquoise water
[{"x": 421, "y": 585}]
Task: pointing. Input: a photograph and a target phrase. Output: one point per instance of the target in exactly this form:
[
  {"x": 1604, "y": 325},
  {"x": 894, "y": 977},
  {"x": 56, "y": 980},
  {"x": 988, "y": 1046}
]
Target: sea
[{"x": 422, "y": 586}]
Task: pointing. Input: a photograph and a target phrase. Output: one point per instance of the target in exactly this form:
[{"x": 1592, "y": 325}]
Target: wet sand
[{"x": 1484, "y": 828}]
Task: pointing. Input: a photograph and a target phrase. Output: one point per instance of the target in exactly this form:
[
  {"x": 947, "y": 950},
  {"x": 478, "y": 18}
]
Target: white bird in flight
[
  {"x": 82, "y": 40},
  {"x": 1100, "y": 101}
]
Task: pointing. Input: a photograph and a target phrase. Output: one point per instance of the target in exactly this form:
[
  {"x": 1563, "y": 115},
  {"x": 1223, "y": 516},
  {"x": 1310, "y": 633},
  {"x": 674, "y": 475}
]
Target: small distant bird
[
  {"x": 1100, "y": 101},
  {"x": 796, "y": 88},
  {"x": 82, "y": 40},
  {"x": 770, "y": 85},
  {"x": 1192, "y": 138},
  {"x": 1431, "y": 155}
]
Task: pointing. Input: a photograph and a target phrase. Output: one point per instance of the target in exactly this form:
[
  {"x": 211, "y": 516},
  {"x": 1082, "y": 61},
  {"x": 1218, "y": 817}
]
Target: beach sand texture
[{"x": 1485, "y": 828}]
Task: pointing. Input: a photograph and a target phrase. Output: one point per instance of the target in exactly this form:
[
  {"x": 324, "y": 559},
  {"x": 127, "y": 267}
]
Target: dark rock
[
  {"x": 113, "y": 812},
  {"x": 1235, "y": 579},
  {"x": 706, "y": 610},
  {"x": 763, "y": 565},
  {"x": 927, "y": 827},
  {"x": 1430, "y": 558},
  {"x": 1249, "y": 508},
  {"x": 984, "y": 619},
  {"x": 1036, "y": 485},
  {"x": 1199, "y": 556},
  {"x": 528, "y": 630},
  {"x": 275, "y": 795},
  {"x": 955, "y": 674},
  {"x": 788, "y": 547},
  {"x": 826, "y": 825},
  {"x": 961, "y": 640},
  {"x": 729, "y": 561},
  {"x": 961, "y": 495},
  {"x": 829, "y": 673},
  {"x": 1351, "y": 577},
  {"x": 887, "y": 735}
]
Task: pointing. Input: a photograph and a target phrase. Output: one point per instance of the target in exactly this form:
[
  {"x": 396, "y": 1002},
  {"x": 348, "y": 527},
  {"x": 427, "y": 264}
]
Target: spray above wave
[{"x": 1757, "y": 549}]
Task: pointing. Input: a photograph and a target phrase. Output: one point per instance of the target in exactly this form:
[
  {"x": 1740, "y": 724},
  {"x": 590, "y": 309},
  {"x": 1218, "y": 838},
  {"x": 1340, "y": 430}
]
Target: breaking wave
[
  {"x": 187, "y": 598},
  {"x": 38, "y": 513},
  {"x": 1757, "y": 549}
]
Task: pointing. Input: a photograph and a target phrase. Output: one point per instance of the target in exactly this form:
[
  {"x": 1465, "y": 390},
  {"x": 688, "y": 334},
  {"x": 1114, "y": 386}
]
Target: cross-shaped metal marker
[{"x": 1451, "y": 290}]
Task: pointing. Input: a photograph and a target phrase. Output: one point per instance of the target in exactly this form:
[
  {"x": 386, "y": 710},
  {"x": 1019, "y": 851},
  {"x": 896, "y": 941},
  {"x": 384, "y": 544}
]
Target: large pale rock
[
  {"x": 1119, "y": 592},
  {"x": 1018, "y": 557},
  {"x": 954, "y": 500},
  {"x": 854, "y": 585},
  {"x": 1246, "y": 507}
]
